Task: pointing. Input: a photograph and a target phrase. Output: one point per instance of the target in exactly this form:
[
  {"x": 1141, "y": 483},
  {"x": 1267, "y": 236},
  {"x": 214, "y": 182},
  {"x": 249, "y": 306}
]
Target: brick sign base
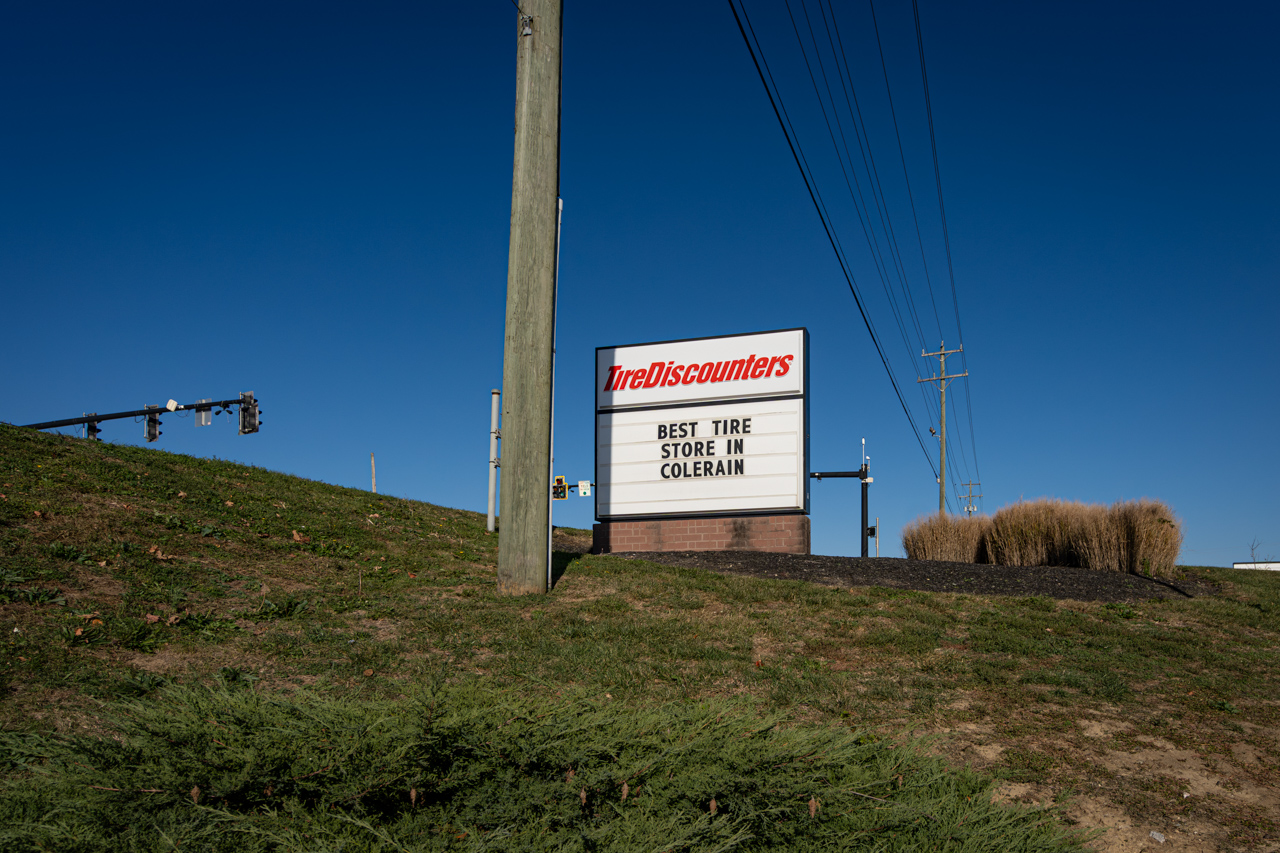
[{"x": 787, "y": 534}]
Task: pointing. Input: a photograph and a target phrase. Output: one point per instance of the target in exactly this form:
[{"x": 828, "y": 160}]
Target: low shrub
[
  {"x": 1137, "y": 537},
  {"x": 471, "y": 769}
]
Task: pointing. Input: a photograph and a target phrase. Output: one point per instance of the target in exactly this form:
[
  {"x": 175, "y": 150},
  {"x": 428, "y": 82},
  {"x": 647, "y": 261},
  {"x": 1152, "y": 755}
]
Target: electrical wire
[
  {"x": 793, "y": 144},
  {"x": 942, "y": 211}
]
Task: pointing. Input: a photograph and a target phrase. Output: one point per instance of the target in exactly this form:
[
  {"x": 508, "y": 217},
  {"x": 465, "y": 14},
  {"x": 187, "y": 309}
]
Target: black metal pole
[
  {"x": 93, "y": 419},
  {"x": 865, "y": 487}
]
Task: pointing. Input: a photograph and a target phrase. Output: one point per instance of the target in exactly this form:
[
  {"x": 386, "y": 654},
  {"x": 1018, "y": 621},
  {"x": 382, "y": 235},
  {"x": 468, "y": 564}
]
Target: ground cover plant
[
  {"x": 1138, "y": 537},
  {"x": 467, "y": 768},
  {"x": 133, "y": 575}
]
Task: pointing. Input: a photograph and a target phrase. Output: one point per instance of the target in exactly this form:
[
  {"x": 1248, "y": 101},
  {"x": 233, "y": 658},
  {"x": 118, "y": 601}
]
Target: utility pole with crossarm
[{"x": 943, "y": 380}]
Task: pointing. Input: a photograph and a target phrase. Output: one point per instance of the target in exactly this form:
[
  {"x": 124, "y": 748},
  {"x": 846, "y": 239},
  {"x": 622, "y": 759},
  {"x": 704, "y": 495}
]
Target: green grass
[{"x": 129, "y": 572}]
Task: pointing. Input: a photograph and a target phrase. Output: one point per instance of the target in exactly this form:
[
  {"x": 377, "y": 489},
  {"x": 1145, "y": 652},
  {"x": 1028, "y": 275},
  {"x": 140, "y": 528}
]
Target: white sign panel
[
  {"x": 661, "y": 451},
  {"x": 767, "y": 364}
]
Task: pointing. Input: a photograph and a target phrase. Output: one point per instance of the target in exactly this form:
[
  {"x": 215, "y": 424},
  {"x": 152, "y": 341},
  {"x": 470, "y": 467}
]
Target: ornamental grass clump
[
  {"x": 465, "y": 768},
  {"x": 943, "y": 537},
  {"x": 1135, "y": 537}
]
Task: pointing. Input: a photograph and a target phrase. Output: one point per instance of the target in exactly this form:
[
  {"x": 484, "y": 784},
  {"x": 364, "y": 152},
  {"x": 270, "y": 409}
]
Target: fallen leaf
[
  {"x": 714, "y": 807},
  {"x": 229, "y": 503},
  {"x": 813, "y": 806},
  {"x": 368, "y": 672},
  {"x": 102, "y": 564},
  {"x": 298, "y": 537},
  {"x": 195, "y": 794},
  {"x": 568, "y": 777},
  {"x": 79, "y": 632},
  {"x": 173, "y": 620},
  {"x": 413, "y": 796},
  {"x": 38, "y": 514},
  {"x": 626, "y": 789},
  {"x": 152, "y": 618},
  {"x": 582, "y": 795},
  {"x": 182, "y": 494}
]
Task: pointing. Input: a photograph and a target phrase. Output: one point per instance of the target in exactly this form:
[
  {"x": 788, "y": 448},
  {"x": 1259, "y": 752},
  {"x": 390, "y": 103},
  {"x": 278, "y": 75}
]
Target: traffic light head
[
  {"x": 151, "y": 429},
  {"x": 559, "y": 489},
  {"x": 248, "y": 413}
]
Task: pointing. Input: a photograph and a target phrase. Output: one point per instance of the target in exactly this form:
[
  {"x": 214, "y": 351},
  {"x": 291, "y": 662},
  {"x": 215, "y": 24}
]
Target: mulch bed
[{"x": 933, "y": 576}]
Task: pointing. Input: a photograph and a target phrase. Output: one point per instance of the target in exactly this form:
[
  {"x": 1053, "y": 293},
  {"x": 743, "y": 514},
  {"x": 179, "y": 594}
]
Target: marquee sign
[{"x": 703, "y": 426}]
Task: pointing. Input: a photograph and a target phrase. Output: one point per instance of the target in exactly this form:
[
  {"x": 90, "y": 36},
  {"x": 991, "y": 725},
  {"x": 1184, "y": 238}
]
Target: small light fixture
[{"x": 526, "y": 25}]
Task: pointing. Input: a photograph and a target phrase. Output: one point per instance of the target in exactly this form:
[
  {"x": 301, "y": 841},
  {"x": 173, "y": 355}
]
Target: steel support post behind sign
[{"x": 866, "y": 484}]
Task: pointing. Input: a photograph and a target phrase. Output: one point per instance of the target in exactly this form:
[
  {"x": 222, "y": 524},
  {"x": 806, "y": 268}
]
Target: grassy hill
[{"x": 130, "y": 574}]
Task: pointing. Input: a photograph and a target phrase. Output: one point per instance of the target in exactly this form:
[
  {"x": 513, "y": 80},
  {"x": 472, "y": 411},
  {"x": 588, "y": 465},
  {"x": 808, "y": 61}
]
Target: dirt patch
[
  {"x": 932, "y": 576},
  {"x": 570, "y": 541}
]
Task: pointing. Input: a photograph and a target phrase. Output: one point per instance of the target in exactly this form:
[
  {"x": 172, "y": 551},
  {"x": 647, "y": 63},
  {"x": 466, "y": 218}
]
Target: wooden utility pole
[
  {"x": 373, "y": 473},
  {"x": 969, "y": 508},
  {"x": 531, "y": 304},
  {"x": 943, "y": 380}
]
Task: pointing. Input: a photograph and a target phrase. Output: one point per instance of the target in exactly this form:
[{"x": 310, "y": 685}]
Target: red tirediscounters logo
[{"x": 668, "y": 374}]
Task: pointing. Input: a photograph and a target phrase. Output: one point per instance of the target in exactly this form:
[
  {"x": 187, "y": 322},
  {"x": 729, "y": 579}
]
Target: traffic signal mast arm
[{"x": 137, "y": 413}]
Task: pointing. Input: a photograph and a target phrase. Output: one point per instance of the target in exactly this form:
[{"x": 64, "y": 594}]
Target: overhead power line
[
  {"x": 942, "y": 211},
  {"x": 779, "y": 111}
]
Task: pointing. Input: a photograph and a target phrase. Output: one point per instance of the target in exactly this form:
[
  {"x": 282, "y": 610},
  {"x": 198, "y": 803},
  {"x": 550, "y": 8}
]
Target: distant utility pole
[
  {"x": 373, "y": 473},
  {"x": 943, "y": 380},
  {"x": 527, "y": 361},
  {"x": 969, "y": 508}
]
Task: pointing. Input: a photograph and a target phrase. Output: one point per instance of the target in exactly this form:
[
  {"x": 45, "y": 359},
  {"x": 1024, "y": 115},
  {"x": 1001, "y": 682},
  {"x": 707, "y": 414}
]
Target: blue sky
[{"x": 312, "y": 202}]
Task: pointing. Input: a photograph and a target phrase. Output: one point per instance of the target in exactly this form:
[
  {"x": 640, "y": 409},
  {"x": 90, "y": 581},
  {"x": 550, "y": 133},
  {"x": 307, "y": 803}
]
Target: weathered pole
[{"x": 531, "y": 303}]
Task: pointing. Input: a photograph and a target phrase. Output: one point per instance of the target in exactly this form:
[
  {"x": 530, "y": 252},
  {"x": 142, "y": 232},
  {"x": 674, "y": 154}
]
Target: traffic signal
[
  {"x": 559, "y": 489},
  {"x": 152, "y": 428},
  {"x": 248, "y": 413}
]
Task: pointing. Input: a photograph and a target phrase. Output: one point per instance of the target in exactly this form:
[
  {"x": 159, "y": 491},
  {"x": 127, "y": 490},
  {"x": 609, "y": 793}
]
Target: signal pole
[
  {"x": 527, "y": 361},
  {"x": 943, "y": 380}
]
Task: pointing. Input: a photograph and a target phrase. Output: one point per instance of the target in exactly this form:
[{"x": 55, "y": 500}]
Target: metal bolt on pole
[{"x": 494, "y": 435}]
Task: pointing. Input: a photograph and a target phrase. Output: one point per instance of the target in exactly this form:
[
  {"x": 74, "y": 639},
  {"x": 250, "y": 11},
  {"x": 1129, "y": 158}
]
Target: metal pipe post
[
  {"x": 865, "y": 485},
  {"x": 494, "y": 435}
]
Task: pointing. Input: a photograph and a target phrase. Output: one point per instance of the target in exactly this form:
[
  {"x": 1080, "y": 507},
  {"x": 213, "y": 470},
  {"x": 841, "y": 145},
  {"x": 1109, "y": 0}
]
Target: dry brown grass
[
  {"x": 1129, "y": 536},
  {"x": 944, "y": 537}
]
